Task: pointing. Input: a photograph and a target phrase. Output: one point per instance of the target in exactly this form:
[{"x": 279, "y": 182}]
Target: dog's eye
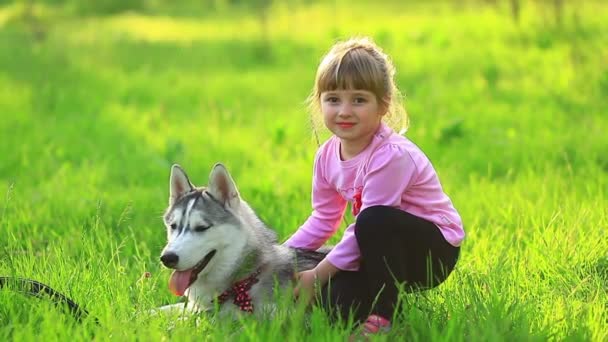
[
  {"x": 173, "y": 226},
  {"x": 201, "y": 228}
]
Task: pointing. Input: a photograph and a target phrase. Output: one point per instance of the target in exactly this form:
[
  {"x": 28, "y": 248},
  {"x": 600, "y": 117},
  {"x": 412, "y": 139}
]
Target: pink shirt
[{"x": 391, "y": 171}]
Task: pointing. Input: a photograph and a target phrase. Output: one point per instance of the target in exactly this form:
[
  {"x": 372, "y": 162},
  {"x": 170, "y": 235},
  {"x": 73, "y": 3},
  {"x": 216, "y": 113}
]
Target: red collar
[{"x": 240, "y": 291}]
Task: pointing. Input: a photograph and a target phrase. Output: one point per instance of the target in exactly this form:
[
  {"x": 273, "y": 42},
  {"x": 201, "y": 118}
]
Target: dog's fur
[{"x": 216, "y": 218}]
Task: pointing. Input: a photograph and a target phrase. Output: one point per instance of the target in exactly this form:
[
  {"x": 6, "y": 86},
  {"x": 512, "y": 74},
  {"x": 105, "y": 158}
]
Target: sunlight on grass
[
  {"x": 16, "y": 96},
  {"x": 95, "y": 109},
  {"x": 6, "y": 13},
  {"x": 167, "y": 29}
]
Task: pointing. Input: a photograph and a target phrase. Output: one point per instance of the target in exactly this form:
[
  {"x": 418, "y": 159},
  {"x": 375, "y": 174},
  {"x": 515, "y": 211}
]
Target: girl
[{"x": 407, "y": 231}]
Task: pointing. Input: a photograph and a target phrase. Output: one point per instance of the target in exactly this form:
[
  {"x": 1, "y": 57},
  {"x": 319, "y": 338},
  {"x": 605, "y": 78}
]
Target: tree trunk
[
  {"x": 558, "y": 7},
  {"x": 515, "y": 10}
]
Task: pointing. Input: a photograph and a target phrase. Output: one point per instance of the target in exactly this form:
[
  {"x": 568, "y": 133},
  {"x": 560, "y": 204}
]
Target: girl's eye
[
  {"x": 201, "y": 228},
  {"x": 173, "y": 226},
  {"x": 360, "y": 100},
  {"x": 331, "y": 99}
]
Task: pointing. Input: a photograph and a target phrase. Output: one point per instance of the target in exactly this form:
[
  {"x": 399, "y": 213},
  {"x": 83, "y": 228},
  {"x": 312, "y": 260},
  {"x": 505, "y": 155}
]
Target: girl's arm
[
  {"x": 318, "y": 276},
  {"x": 324, "y": 271},
  {"x": 328, "y": 209}
]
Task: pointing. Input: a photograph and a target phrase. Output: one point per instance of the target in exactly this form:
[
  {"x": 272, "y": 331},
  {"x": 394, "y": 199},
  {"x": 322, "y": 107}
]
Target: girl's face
[{"x": 351, "y": 115}]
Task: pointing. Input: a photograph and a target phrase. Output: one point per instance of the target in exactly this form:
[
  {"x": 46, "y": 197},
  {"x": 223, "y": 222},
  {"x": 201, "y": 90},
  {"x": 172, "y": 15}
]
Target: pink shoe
[{"x": 373, "y": 325}]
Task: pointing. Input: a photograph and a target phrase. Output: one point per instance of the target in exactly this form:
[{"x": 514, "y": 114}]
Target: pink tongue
[{"x": 179, "y": 282}]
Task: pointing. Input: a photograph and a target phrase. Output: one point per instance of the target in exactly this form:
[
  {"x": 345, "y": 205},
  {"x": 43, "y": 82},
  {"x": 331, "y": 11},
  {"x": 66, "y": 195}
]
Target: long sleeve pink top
[{"x": 390, "y": 171}]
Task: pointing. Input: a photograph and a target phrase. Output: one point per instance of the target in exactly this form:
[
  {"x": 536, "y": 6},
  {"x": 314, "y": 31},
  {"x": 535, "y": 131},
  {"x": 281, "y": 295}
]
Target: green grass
[{"x": 94, "y": 110}]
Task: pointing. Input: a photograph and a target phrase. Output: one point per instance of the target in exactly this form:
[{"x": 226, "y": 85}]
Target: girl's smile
[
  {"x": 353, "y": 115},
  {"x": 345, "y": 125}
]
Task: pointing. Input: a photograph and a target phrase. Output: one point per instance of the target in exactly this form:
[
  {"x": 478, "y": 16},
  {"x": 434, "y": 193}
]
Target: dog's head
[{"x": 202, "y": 226}]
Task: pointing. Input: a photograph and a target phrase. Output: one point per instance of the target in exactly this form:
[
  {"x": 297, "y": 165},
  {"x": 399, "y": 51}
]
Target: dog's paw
[{"x": 171, "y": 310}]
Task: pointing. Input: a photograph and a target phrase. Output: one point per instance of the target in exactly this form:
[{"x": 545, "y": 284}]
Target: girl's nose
[{"x": 345, "y": 110}]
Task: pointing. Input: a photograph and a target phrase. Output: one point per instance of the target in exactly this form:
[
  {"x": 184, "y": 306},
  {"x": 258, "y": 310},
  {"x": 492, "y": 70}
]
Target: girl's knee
[{"x": 372, "y": 219}]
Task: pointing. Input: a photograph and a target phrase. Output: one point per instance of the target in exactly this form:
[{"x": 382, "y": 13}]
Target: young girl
[{"x": 407, "y": 231}]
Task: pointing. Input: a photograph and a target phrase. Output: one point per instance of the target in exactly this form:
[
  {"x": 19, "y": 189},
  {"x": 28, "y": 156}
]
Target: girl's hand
[
  {"x": 317, "y": 277},
  {"x": 305, "y": 289}
]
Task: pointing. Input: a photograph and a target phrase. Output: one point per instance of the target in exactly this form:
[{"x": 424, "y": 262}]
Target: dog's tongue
[{"x": 179, "y": 282}]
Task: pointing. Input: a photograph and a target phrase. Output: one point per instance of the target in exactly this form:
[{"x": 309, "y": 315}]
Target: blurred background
[
  {"x": 507, "y": 98},
  {"x": 99, "y": 98}
]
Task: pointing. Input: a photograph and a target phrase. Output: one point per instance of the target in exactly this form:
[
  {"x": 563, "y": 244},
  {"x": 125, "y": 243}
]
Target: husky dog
[{"x": 221, "y": 251}]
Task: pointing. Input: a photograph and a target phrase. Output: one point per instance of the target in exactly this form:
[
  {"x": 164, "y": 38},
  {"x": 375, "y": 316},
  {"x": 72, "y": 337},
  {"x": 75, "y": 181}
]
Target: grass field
[{"x": 95, "y": 109}]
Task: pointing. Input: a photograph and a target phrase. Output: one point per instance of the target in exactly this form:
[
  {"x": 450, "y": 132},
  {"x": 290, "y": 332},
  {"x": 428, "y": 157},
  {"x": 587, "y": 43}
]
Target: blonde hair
[{"x": 359, "y": 63}]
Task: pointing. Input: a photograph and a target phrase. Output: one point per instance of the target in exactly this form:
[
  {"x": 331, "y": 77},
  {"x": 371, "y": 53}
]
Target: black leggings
[{"x": 396, "y": 248}]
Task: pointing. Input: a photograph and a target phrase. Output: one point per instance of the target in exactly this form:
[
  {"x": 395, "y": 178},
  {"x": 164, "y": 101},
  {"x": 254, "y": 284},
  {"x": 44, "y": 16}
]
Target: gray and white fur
[{"x": 201, "y": 220}]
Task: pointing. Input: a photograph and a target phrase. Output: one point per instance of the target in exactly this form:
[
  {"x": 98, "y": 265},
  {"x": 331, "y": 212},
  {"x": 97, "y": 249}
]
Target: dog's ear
[
  {"x": 222, "y": 186},
  {"x": 179, "y": 184}
]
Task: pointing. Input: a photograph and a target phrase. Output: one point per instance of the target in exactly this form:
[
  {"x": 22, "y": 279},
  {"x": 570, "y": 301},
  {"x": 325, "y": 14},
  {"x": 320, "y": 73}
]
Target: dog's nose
[{"x": 169, "y": 259}]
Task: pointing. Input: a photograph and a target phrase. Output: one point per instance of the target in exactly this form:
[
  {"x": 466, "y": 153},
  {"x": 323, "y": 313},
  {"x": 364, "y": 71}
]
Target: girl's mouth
[{"x": 345, "y": 124}]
